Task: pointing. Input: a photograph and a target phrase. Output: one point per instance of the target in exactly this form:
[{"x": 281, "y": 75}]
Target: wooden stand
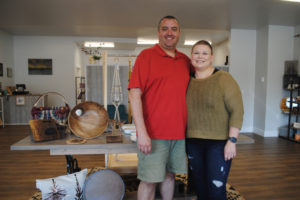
[{"x": 114, "y": 138}]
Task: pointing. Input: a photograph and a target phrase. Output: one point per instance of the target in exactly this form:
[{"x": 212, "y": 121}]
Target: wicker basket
[{"x": 49, "y": 123}]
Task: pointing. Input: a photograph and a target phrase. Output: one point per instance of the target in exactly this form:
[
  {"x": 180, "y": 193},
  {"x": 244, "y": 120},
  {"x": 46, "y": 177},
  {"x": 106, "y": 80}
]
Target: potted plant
[{"x": 96, "y": 57}]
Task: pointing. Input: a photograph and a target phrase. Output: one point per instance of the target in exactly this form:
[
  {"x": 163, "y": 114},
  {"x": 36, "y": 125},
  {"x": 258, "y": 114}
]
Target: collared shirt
[{"x": 163, "y": 81}]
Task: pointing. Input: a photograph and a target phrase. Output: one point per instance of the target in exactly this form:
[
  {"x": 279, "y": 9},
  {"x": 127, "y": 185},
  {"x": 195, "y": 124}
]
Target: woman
[{"x": 215, "y": 115}]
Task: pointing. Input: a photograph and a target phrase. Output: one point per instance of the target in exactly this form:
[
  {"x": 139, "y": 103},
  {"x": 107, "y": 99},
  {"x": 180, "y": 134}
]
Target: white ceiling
[{"x": 199, "y": 19}]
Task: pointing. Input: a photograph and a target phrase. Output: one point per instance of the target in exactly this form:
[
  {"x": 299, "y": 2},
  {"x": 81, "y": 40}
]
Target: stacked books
[{"x": 129, "y": 129}]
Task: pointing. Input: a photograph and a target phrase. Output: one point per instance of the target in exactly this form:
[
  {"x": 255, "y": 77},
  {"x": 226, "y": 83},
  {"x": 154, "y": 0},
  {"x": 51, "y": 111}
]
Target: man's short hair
[{"x": 167, "y": 17}]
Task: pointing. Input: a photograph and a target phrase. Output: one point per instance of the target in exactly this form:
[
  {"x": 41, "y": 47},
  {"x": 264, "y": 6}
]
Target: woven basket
[
  {"x": 49, "y": 123},
  {"x": 58, "y": 113}
]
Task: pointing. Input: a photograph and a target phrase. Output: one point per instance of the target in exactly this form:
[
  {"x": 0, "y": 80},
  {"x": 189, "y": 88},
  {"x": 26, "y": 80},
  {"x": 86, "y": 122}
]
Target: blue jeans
[{"x": 208, "y": 167}]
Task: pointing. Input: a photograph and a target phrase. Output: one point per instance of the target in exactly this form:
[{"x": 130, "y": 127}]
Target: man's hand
[{"x": 144, "y": 143}]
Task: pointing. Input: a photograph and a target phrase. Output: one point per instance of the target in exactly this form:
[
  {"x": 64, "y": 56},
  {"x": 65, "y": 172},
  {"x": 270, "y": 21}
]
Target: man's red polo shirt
[{"x": 163, "y": 81}]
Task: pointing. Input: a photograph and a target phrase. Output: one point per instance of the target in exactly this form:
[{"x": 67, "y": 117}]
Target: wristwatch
[{"x": 232, "y": 139}]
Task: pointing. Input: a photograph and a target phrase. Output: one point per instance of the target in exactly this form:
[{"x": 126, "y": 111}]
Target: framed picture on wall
[
  {"x": 20, "y": 100},
  {"x": 39, "y": 66},
  {"x": 1, "y": 69}
]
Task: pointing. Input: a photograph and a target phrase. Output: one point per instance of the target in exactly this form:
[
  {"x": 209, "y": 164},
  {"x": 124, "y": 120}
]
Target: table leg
[
  {"x": 72, "y": 164},
  {"x": 106, "y": 160}
]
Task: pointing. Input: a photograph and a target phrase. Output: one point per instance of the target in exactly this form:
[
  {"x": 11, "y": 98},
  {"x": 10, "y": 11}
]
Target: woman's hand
[
  {"x": 229, "y": 150},
  {"x": 230, "y": 147}
]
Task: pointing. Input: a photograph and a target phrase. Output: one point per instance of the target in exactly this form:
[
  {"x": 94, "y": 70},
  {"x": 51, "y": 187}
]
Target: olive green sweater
[{"x": 213, "y": 104}]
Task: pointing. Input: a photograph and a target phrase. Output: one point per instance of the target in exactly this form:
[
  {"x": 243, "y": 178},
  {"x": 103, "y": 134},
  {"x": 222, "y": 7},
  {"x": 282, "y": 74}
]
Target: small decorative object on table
[
  {"x": 129, "y": 129},
  {"x": 76, "y": 141},
  {"x": 43, "y": 130},
  {"x": 114, "y": 138}
]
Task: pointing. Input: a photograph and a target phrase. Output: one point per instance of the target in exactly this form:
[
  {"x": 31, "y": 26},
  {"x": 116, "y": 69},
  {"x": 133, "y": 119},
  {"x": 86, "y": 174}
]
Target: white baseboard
[
  {"x": 273, "y": 133},
  {"x": 259, "y": 132},
  {"x": 247, "y": 130},
  {"x": 264, "y": 133}
]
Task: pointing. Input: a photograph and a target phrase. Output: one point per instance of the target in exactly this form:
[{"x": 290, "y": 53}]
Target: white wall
[
  {"x": 274, "y": 47},
  {"x": 221, "y": 50},
  {"x": 78, "y": 60},
  {"x": 260, "y": 80},
  {"x": 242, "y": 67},
  {"x": 62, "y": 52},
  {"x": 67, "y": 59},
  {"x": 6, "y": 58},
  {"x": 280, "y": 49}
]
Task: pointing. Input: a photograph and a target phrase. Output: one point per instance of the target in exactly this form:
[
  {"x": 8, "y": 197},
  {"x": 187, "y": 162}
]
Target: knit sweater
[{"x": 214, "y": 104}]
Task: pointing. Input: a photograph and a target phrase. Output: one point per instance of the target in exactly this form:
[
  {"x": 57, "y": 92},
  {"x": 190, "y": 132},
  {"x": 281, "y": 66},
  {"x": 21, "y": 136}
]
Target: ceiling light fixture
[
  {"x": 99, "y": 44},
  {"x": 146, "y": 41},
  {"x": 192, "y": 42},
  {"x": 295, "y": 1}
]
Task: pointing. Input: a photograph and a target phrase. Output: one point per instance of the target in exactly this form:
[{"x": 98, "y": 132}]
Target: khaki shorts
[{"x": 165, "y": 156}]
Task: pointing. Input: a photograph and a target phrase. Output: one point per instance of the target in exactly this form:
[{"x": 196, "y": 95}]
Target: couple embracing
[{"x": 183, "y": 108}]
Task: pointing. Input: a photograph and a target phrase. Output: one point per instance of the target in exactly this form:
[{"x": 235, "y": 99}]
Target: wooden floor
[{"x": 267, "y": 169}]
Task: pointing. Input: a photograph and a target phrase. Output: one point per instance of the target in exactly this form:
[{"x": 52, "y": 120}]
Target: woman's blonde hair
[{"x": 203, "y": 42}]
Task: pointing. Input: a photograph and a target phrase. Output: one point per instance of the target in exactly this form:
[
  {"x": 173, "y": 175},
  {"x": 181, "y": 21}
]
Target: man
[{"x": 157, "y": 94}]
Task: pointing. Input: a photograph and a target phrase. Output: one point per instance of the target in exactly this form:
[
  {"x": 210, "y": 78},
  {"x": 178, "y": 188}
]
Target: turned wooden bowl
[{"x": 88, "y": 120}]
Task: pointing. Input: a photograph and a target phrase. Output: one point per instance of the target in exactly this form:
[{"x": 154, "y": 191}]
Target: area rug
[
  {"x": 233, "y": 194},
  {"x": 131, "y": 185},
  {"x": 244, "y": 139}
]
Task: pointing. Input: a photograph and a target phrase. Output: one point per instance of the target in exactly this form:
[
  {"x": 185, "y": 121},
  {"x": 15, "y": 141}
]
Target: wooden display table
[{"x": 92, "y": 146}]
